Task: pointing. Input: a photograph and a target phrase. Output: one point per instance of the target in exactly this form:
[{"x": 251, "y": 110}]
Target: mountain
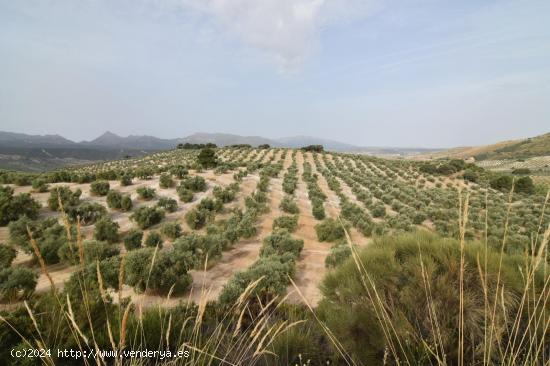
[
  {"x": 511, "y": 149},
  {"x": 12, "y": 139},
  {"x": 109, "y": 139},
  {"x": 43, "y": 152}
]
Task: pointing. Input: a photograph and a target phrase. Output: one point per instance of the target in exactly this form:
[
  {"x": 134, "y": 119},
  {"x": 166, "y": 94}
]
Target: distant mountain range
[
  {"x": 109, "y": 140},
  {"x": 20, "y": 151}
]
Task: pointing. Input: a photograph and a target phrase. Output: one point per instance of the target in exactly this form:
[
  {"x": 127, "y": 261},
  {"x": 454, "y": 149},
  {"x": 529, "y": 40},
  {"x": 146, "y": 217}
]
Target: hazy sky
[{"x": 371, "y": 72}]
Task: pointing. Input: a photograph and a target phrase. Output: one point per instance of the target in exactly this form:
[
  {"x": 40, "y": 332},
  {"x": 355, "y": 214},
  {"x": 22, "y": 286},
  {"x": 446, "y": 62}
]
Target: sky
[{"x": 422, "y": 73}]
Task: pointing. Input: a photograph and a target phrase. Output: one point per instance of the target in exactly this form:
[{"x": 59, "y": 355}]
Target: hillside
[{"x": 511, "y": 149}]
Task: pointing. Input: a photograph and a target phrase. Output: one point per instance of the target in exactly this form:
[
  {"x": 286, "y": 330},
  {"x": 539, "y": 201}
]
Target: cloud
[{"x": 287, "y": 30}]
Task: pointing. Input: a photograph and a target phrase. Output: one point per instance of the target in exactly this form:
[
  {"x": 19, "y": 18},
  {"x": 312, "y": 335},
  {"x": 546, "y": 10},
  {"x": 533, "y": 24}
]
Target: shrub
[
  {"x": 166, "y": 181},
  {"x": 318, "y": 210},
  {"x": 147, "y": 216},
  {"x": 395, "y": 269},
  {"x": 379, "y": 210},
  {"x": 525, "y": 185},
  {"x": 13, "y": 207},
  {"x": 207, "y": 158},
  {"x": 126, "y": 180},
  {"x": 171, "y": 230},
  {"x": 39, "y": 185},
  {"x": 126, "y": 203},
  {"x": 106, "y": 230},
  {"x": 165, "y": 273},
  {"x": 338, "y": 254},
  {"x": 225, "y": 195},
  {"x": 280, "y": 242},
  {"x": 210, "y": 205},
  {"x": 196, "y": 218},
  {"x": 185, "y": 195},
  {"x": 88, "y": 212},
  {"x": 168, "y": 204},
  {"x": 153, "y": 239},
  {"x": 315, "y": 148},
  {"x": 16, "y": 280},
  {"x": 521, "y": 171},
  {"x": 501, "y": 183},
  {"x": 7, "y": 255},
  {"x": 330, "y": 230},
  {"x": 99, "y": 188},
  {"x": 194, "y": 184},
  {"x": 145, "y": 193},
  {"x": 274, "y": 273},
  {"x": 48, "y": 234},
  {"x": 132, "y": 240},
  {"x": 114, "y": 200},
  {"x": 286, "y": 222},
  {"x": 179, "y": 171},
  {"x": 289, "y": 206},
  {"x": 64, "y": 194},
  {"x": 93, "y": 251}
]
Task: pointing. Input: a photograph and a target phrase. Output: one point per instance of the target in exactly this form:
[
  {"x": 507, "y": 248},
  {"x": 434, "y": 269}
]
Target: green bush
[
  {"x": 126, "y": 203},
  {"x": 274, "y": 272},
  {"x": 132, "y": 240},
  {"x": 179, "y": 171},
  {"x": 13, "y": 207},
  {"x": 166, "y": 181},
  {"x": 288, "y": 205},
  {"x": 17, "y": 282},
  {"x": 147, "y": 216},
  {"x": 379, "y": 210},
  {"x": 99, "y": 188},
  {"x": 209, "y": 204},
  {"x": 286, "y": 222},
  {"x": 93, "y": 251},
  {"x": 7, "y": 255},
  {"x": 171, "y": 230},
  {"x": 106, "y": 230},
  {"x": 501, "y": 183},
  {"x": 168, "y": 204},
  {"x": 88, "y": 212},
  {"x": 153, "y": 239},
  {"x": 330, "y": 230},
  {"x": 126, "y": 180},
  {"x": 145, "y": 193},
  {"x": 279, "y": 243},
  {"x": 338, "y": 254},
  {"x": 64, "y": 194},
  {"x": 207, "y": 158},
  {"x": 194, "y": 184},
  {"x": 395, "y": 270},
  {"x": 196, "y": 219},
  {"x": 114, "y": 200},
  {"x": 318, "y": 210},
  {"x": 165, "y": 273},
  {"x": 39, "y": 185},
  {"x": 225, "y": 195},
  {"x": 525, "y": 185},
  {"x": 48, "y": 234},
  {"x": 185, "y": 195}
]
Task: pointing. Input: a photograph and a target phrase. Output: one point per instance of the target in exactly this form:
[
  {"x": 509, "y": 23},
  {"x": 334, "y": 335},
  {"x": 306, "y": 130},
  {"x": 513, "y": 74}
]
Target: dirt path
[
  {"x": 208, "y": 284},
  {"x": 310, "y": 267}
]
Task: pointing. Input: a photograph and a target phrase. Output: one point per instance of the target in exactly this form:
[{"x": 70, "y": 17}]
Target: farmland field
[{"x": 182, "y": 233}]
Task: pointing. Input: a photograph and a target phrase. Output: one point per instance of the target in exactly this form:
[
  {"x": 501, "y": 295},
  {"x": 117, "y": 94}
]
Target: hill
[{"x": 511, "y": 149}]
